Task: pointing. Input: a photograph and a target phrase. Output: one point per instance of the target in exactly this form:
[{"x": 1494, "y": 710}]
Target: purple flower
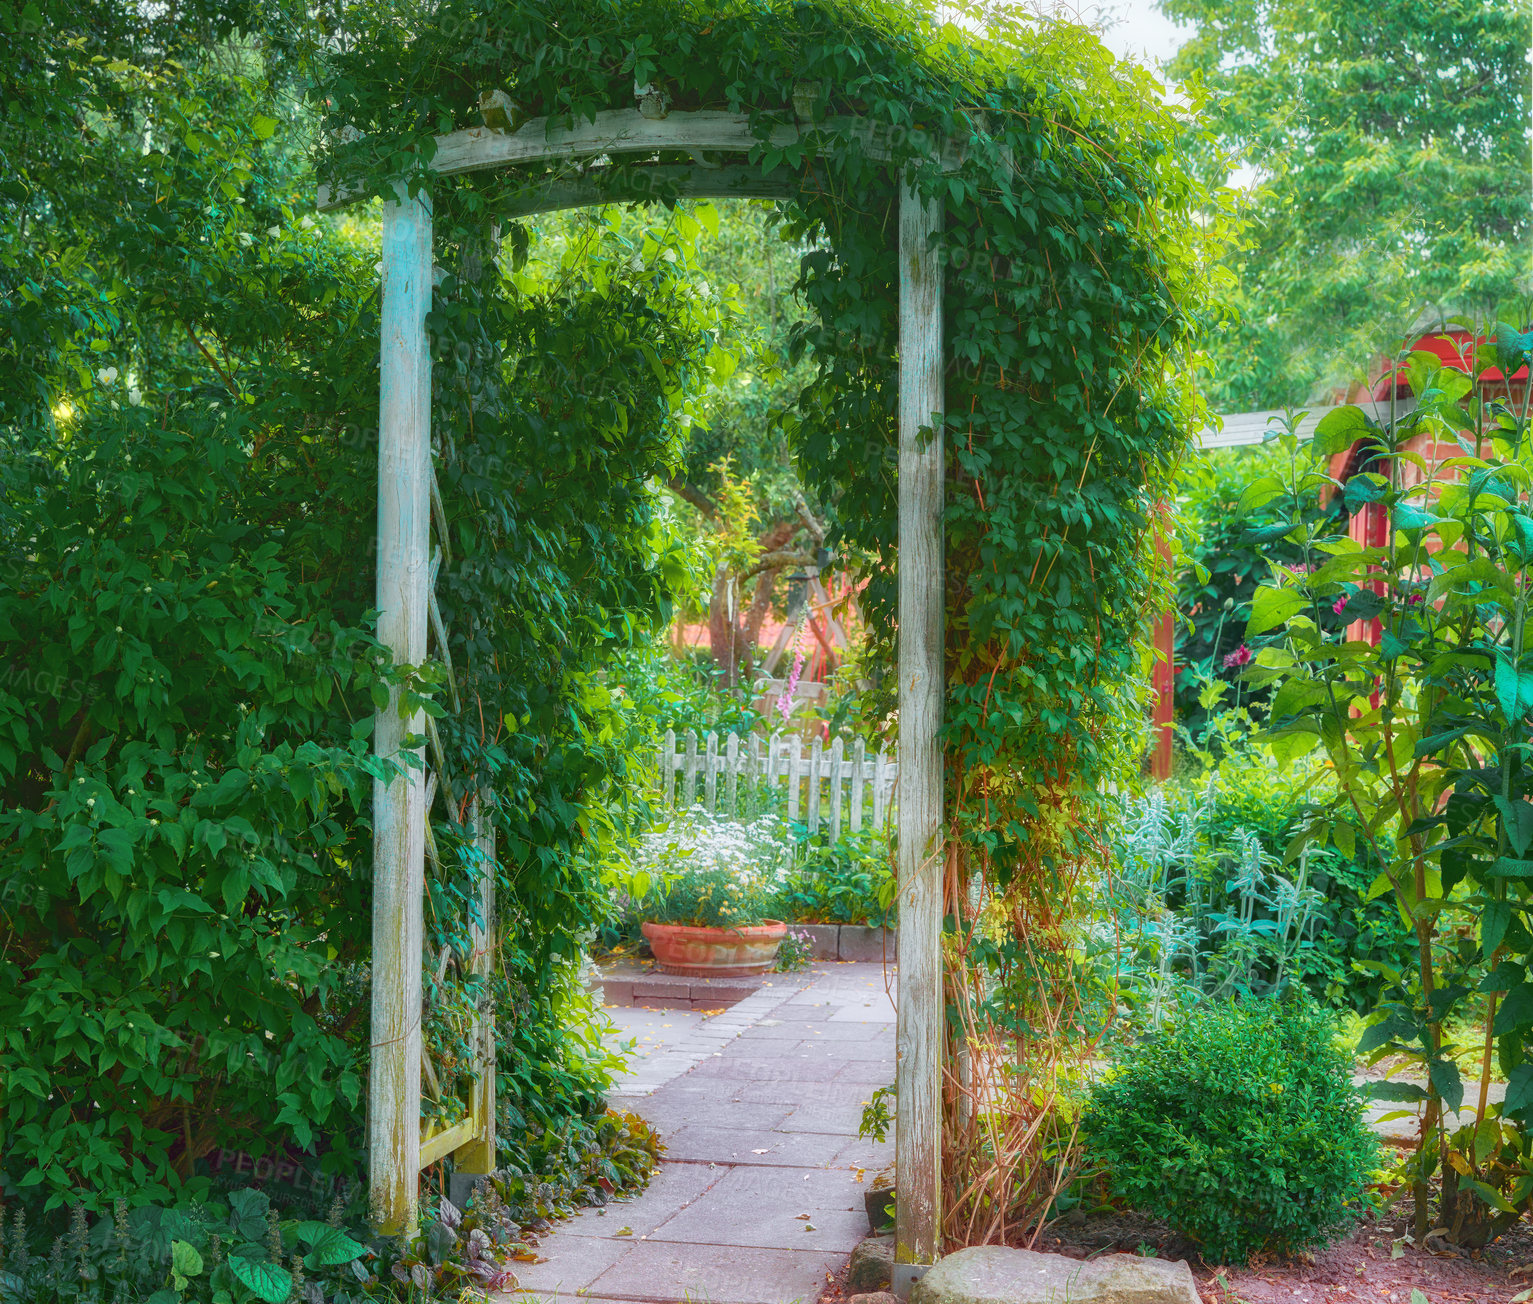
[{"x": 1241, "y": 656}]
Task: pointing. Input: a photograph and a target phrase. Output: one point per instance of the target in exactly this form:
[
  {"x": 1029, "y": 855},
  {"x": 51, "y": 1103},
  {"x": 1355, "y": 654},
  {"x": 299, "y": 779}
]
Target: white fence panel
[{"x": 822, "y": 786}]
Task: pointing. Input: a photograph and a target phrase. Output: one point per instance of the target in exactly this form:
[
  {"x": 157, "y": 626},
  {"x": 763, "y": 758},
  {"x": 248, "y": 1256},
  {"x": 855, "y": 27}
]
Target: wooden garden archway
[{"x": 407, "y": 566}]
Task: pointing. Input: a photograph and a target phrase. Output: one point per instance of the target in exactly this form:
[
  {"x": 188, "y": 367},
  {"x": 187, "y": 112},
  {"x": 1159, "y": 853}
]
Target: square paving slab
[{"x": 757, "y": 1198}]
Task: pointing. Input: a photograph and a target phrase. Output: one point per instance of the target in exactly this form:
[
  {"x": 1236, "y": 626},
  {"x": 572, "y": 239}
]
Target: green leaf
[
  {"x": 1340, "y": 428},
  {"x": 333, "y": 1248},
  {"x": 184, "y": 1259},
  {"x": 263, "y": 126},
  {"x": 1517, "y": 820},
  {"x": 1265, "y": 534},
  {"x": 1507, "y": 688},
  {"x": 1272, "y": 607},
  {"x": 1516, "y": 1010},
  {"x": 1383, "y": 1090},
  {"x": 1392, "y": 1027},
  {"x": 248, "y": 1213},
  {"x": 1367, "y": 487},
  {"x": 1512, "y": 348},
  {"x": 1445, "y": 1078},
  {"x": 1519, "y": 1090},
  {"x": 1493, "y": 925},
  {"x": 1408, "y": 518},
  {"x": 1490, "y": 1196},
  {"x": 1504, "y": 977},
  {"x": 268, "y": 1281}
]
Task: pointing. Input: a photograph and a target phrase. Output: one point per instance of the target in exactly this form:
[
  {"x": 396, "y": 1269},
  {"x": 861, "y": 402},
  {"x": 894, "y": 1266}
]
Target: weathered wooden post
[
  {"x": 918, "y": 1126},
  {"x": 399, "y": 824}
]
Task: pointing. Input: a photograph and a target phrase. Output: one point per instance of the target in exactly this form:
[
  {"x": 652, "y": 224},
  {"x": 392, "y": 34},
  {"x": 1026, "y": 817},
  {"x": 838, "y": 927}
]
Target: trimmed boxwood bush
[{"x": 1239, "y": 1125}]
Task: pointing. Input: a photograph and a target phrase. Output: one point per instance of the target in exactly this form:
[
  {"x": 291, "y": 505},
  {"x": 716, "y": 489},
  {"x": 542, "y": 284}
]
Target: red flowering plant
[
  {"x": 1426, "y": 726},
  {"x": 1229, "y": 548}
]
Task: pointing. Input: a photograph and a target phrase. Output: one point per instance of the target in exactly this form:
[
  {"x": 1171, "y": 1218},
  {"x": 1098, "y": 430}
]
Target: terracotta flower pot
[{"x": 715, "y": 952}]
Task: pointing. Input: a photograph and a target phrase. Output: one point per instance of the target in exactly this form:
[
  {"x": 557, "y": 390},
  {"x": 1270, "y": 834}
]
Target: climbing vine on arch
[{"x": 1078, "y": 254}]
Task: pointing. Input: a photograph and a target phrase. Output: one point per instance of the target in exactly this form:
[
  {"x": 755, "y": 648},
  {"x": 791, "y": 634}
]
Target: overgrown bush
[
  {"x": 845, "y": 880},
  {"x": 188, "y": 673},
  {"x": 1239, "y": 1125}
]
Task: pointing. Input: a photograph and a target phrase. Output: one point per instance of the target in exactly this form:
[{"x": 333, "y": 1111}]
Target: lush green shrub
[
  {"x": 847, "y": 880},
  {"x": 1239, "y": 1125},
  {"x": 188, "y": 674},
  {"x": 231, "y": 1251},
  {"x": 685, "y": 692}
]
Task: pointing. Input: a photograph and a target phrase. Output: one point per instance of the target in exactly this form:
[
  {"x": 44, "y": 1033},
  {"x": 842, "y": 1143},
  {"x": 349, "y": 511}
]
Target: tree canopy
[{"x": 1391, "y": 144}]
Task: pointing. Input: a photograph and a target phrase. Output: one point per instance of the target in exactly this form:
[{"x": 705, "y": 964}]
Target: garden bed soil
[
  {"x": 1360, "y": 1269},
  {"x": 1370, "y": 1266}
]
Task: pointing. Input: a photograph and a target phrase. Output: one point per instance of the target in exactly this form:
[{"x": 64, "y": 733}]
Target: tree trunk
[
  {"x": 723, "y": 626},
  {"x": 732, "y": 634}
]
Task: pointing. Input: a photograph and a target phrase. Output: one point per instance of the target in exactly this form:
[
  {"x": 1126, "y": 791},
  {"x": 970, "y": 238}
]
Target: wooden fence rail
[{"x": 838, "y": 785}]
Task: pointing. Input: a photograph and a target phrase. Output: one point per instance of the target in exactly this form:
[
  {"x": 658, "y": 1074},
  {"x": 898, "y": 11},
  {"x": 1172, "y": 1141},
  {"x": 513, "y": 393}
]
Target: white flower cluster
[{"x": 697, "y": 841}]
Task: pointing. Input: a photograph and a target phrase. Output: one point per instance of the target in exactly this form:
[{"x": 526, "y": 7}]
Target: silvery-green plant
[{"x": 1221, "y": 917}]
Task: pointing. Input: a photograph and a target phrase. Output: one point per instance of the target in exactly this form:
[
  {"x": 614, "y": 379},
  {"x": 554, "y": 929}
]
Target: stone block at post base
[
  {"x": 824, "y": 938},
  {"x": 860, "y": 942},
  {"x": 461, "y": 1185},
  {"x": 871, "y": 1267},
  {"x": 997, "y": 1274}
]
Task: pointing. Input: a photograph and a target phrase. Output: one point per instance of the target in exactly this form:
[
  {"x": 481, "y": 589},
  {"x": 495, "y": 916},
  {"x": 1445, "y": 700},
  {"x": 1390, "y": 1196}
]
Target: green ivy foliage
[
  {"x": 1076, "y": 276},
  {"x": 1080, "y": 259},
  {"x": 187, "y": 667}
]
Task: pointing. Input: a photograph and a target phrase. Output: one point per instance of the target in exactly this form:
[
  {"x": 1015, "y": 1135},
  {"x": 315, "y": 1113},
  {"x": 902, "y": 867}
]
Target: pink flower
[
  {"x": 1241, "y": 656},
  {"x": 1340, "y": 605},
  {"x": 1415, "y": 598},
  {"x": 785, "y": 702}
]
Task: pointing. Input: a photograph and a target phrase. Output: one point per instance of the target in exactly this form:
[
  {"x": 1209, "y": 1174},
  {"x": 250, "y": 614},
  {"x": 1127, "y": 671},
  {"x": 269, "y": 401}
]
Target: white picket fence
[{"x": 838, "y": 785}]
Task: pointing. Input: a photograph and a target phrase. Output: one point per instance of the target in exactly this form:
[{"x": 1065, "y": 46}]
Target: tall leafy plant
[{"x": 1426, "y": 729}]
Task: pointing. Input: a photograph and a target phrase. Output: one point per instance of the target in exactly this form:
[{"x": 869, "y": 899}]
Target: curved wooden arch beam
[
  {"x": 621, "y": 132},
  {"x": 660, "y": 182}
]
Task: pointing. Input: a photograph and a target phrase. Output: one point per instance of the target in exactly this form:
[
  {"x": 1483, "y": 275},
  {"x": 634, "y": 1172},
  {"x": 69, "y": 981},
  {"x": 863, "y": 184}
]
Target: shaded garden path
[{"x": 759, "y": 1107}]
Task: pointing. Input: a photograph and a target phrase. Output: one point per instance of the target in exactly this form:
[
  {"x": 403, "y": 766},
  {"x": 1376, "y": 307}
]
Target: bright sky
[{"x": 1135, "y": 29}]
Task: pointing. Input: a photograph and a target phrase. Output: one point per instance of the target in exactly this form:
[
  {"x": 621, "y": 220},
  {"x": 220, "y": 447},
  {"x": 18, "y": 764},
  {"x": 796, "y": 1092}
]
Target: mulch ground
[{"x": 1371, "y": 1266}]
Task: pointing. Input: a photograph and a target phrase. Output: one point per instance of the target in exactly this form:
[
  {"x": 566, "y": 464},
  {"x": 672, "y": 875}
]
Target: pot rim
[{"x": 702, "y": 932}]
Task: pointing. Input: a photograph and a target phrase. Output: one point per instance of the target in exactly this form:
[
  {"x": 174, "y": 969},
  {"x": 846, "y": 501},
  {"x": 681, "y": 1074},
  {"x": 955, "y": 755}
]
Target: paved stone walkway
[{"x": 759, "y": 1193}]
